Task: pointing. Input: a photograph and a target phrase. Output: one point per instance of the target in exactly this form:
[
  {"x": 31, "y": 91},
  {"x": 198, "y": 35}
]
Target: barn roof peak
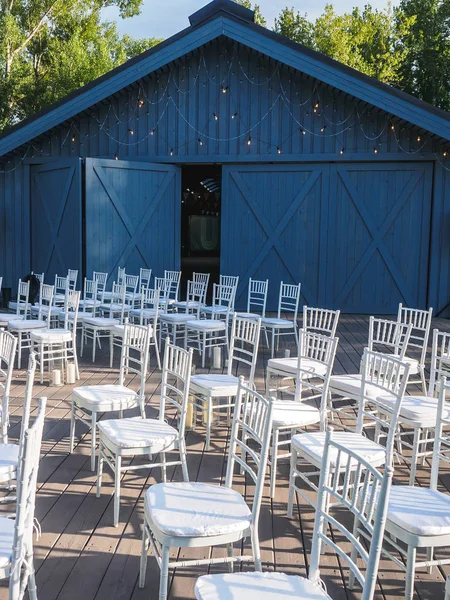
[{"x": 226, "y": 7}]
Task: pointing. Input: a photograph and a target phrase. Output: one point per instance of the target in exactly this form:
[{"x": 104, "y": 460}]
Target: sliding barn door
[
  {"x": 273, "y": 227},
  {"x": 56, "y": 217},
  {"x": 378, "y": 236},
  {"x": 132, "y": 216}
]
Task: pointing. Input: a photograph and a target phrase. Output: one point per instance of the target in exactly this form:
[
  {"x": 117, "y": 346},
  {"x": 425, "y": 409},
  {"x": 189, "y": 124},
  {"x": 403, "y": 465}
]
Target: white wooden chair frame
[
  {"x": 177, "y": 365},
  {"x": 134, "y": 361},
  {"x": 148, "y": 314},
  {"x": 252, "y": 422},
  {"x": 101, "y": 279},
  {"x": 314, "y": 367},
  {"x": 52, "y": 345},
  {"x": 320, "y": 320},
  {"x": 288, "y": 301},
  {"x": 174, "y": 277},
  {"x": 8, "y": 345},
  {"x": 418, "y": 341},
  {"x": 244, "y": 344},
  {"x": 21, "y": 307},
  {"x": 381, "y": 374},
  {"x": 173, "y": 325},
  {"x": 24, "y": 328},
  {"x": 365, "y": 497},
  {"x": 256, "y": 299}
]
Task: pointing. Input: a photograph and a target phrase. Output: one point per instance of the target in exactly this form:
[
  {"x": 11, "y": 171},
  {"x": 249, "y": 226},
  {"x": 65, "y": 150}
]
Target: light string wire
[{"x": 249, "y": 129}]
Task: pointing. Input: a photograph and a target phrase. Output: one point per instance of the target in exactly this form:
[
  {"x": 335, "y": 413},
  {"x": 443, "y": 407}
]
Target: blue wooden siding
[
  {"x": 356, "y": 236},
  {"x": 56, "y": 217},
  {"x": 132, "y": 216},
  {"x": 271, "y": 99}
]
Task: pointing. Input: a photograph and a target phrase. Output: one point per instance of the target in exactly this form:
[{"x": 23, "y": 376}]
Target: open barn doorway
[{"x": 200, "y": 221}]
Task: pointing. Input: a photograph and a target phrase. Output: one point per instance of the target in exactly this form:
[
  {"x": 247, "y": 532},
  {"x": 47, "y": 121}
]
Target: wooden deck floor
[{"x": 80, "y": 555}]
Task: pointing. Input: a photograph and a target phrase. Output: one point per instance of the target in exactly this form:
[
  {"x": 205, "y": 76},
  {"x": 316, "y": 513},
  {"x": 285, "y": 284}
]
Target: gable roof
[{"x": 226, "y": 18}]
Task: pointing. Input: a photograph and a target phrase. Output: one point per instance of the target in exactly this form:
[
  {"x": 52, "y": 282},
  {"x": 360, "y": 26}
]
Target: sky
[{"x": 163, "y": 18}]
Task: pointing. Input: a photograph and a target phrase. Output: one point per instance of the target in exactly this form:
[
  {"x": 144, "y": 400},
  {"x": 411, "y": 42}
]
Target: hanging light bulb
[
  {"x": 200, "y": 142},
  {"x": 234, "y": 116},
  {"x": 73, "y": 138},
  {"x": 224, "y": 89},
  {"x": 115, "y": 156},
  {"x": 375, "y": 150},
  {"x": 393, "y": 127},
  {"x": 342, "y": 151},
  {"x": 249, "y": 141},
  {"x": 216, "y": 118},
  {"x": 152, "y": 132},
  {"x": 171, "y": 152},
  {"x": 131, "y": 132},
  {"x": 141, "y": 103},
  {"x": 444, "y": 153},
  {"x": 323, "y": 128},
  {"x": 278, "y": 149},
  {"x": 418, "y": 138}
]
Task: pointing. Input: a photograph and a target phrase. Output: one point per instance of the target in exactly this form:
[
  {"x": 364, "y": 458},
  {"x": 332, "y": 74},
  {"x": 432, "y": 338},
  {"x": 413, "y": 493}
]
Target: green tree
[
  {"x": 49, "y": 48},
  {"x": 426, "y": 68},
  {"x": 295, "y": 26},
  {"x": 259, "y": 18}
]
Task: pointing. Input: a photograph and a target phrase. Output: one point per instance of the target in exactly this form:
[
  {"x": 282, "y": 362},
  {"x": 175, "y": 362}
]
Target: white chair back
[
  {"x": 289, "y": 299},
  {"x": 202, "y": 278},
  {"x": 134, "y": 357},
  {"x": 101, "y": 279},
  {"x": 195, "y": 295},
  {"x": 257, "y": 296},
  {"x": 320, "y": 320},
  {"x": 320, "y": 350},
  {"x": 71, "y": 306},
  {"x": 224, "y": 295},
  {"x": 121, "y": 275},
  {"x": 61, "y": 285},
  {"x": 232, "y": 280},
  {"x": 176, "y": 380},
  {"x": 118, "y": 298},
  {"x": 175, "y": 277},
  {"x": 387, "y": 335},
  {"x": 382, "y": 375},
  {"x": 45, "y": 302},
  {"x": 8, "y": 345},
  {"x": 244, "y": 344},
  {"x": 29, "y": 458},
  {"x": 440, "y": 361},
  {"x": 23, "y": 294},
  {"x": 249, "y": 441},
  {"x": 441, "y": 447},
  {"x": 39, "y": 276},
  {"x": 421, "y": 326},
  {"x": 358, "y": 487},
  {"x": 131, "y": 283},
  {"x": 72, "y": 276},
  {"x": 167, "y": 291},
  {"x": 145, "y": 276},
  {"x": 90, "y": 293}
]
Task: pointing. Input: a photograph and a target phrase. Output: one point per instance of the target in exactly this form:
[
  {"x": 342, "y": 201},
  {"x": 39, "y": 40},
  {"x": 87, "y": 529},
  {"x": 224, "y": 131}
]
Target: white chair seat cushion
[
  {"x": 9, "y": 460},
  {"x": 80, "y": 315},
  {"x": 147, "y": 313},
  {"x": 257, "y": 586},
  {"x": 217, "y": 384},
  {"x": 413, "y": 365},
  {"x": 112, "y": 308},
  {"x": 289, "y": 366},
  {"x": 248, "y": 315},
  {"x": 6, "y": 541},
  {"x": 102, "y": 322},
  {"x": 51, "y": 336},
  {"x": 206, "y": 325},
  {"x": 419, "y": 510},
  {"x": 277, "y": 323},
  {"x": 88, "y": 302},
  {"x": 419, "y": 410},
  {"x": 138, "y": 433},
  {"x": 25, "y": 325},
  {"x": 5, "y": 318},
  {"x": 312, "y": 445},
  {"x": 289, "y": 412},
  {"x": 192, "y": 305},
  {"x": 217, "y": 309},
  {"x": 105, "y": 397},
  {"x": 54, "y": 310},
  {"x": 176, "y": 318},
  {"x": 350, "y": 385},
  {"x": 191, "y": 509}
]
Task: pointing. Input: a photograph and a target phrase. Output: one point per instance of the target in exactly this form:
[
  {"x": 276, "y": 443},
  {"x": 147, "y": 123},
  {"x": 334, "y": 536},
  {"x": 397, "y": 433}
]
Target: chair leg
[
  {"x": 93, "y": 439},
  {"x": 424, "y": 382},
  {"x": 204, "y": 350},
  {"x": 183, "y": 458},
  {"x": 72, "y": 427},
  {"x": 99, "y": 469},
  {"x": 415, "y": 451},
  {"x": 410, "y": 568},
  {"x": 144, "y": 555},
  {"x": 164, "y": 576},
  {"x": 292, "y": 477},
  {"x": 158, "y": 359},
  {"x": 111, "y": 349},
  {"x": 208, "y": 422},
  {"x": 274, "y": 462},
  {"x": 272, "y": 344},
  {"x": 163, "y": 467},
  {"x": 19, "y": 350},
  {"x": 117, "y": 489},
  {"x": 230, "y": 555},
  {"x": 256, "y": 549},
  {"x": 32, "y": 590},
  {"x": 94, "y": 343}
]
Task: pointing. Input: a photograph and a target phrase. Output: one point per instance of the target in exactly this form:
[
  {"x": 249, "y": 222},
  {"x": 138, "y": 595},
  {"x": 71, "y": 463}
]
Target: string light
[
  {"x": 115, "y": 156},
  {"x": 342, "y": 150},
  {"x": 278, "y": 149},
  {"x": 200, "y": 142},
  {"x": 141, "y": 103},
  {"x": 444, "y": 153},
  {"x": 249, "y": 141},
  {"x": 323, "y": 128},
  {"x": 216, "y": 118},
  {"x": 375, "y": 150},
  {"x": 224, "y": 89},
  {"x": 418, "y": 138},
  {"x": 234, "y": 115},
  {"x": 131, "y": 132},
  {"x": 171, "y": 152},
  {"x": 73, "y": 139}
]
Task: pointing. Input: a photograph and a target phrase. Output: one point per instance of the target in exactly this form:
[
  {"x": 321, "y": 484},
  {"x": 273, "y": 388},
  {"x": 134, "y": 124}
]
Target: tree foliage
[
  {"x": 49, "y": 48},
  {"x": 259, "y": 19}
]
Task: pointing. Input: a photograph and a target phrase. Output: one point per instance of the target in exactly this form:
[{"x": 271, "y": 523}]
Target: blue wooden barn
[{"x": 228, "y": 147}]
